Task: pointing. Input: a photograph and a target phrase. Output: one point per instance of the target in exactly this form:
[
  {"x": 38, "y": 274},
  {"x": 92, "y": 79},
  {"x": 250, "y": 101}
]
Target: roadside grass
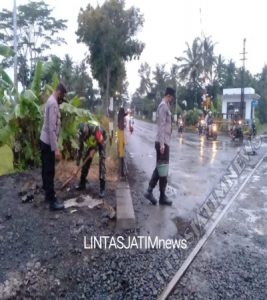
[{"x": 6, "y": 165}]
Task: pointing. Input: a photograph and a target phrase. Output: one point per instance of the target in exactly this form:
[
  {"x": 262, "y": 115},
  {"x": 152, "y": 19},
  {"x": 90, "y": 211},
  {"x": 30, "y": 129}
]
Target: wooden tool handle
[{"x": 91, "y": 154}]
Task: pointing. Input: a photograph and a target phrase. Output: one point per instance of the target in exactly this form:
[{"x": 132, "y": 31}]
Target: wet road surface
[{"x": 196, "y": 165}]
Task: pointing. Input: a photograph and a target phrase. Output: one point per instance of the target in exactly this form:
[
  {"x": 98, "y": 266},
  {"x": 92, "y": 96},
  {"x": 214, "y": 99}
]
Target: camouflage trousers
[{"x": 102, "y": 163}]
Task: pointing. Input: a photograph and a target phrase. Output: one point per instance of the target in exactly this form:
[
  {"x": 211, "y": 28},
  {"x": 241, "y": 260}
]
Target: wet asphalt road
[
  {"x": 232, "y": 264},
  {"x": 196, "y": 165}
]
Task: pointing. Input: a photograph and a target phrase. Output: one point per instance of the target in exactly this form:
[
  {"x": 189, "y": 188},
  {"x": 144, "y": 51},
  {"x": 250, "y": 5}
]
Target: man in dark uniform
[
  {"x": 92, "y": 137},
  {"x": 48, "y": 145},
  {"x": 162, "y": 146}
]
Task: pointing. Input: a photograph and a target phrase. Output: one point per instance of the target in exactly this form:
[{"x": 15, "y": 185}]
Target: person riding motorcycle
[
  {"x": 201, "y": 125},
  {"x": 180, "y": 124},
  {"x": 209, "y": 122},
  {"x": 131, "y": 123},
  {"x": 237, "y": 131}
]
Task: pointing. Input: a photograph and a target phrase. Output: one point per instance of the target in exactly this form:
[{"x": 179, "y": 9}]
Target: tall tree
[
  {"x": 146, "y": 84},
  {"x": 209, "y": 58},
  {"x": 160, "y": 79},
  {"x": 83, "y": 84},
  {"x": 191, "y": 66},
  {"x": 67, "y": 70},
  {"x": 230, "y": 75},
  {"x": 37, "y": 32},
  {"x": 220, "y": 70},
  {"x": 51, "y": 67},
  {"x": 109, "y": 31}
]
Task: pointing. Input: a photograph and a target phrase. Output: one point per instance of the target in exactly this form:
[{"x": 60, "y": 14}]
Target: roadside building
[{"x": 231, "y": 103}]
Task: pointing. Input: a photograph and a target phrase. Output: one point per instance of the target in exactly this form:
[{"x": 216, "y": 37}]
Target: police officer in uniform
[
  {"x": 92, "y": 137},
  {"x": 48, "y": 144},
  {"x": 162, "y": 146}
]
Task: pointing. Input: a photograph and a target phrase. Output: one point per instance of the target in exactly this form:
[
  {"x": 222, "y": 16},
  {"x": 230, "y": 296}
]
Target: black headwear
[
  {"x": 61, "y": 88},
  {"x": 170, "y": 91}
]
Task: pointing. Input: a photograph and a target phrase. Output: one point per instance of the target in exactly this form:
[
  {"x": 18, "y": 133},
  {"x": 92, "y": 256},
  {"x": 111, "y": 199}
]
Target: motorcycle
[
  {"x": 201, "y": 126},
  {"x": 180, "y": 126},
  {"x": 131, "y": 122},
  {"x": 212, "y": 133},
  {"x": 237, "y": 132}
]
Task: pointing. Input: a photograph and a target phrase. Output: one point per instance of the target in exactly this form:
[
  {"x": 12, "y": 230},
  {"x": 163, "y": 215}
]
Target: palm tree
[
  {"x": 190, "y": 66},
  {"x": 145, "y": 83},
  {"x": 67, "y": 71},
  {"x": 231, "y": 72},
  {"x": 209, "y": 59},
  {"x": 161, "y": 78},
  {"x": 220, "y": 70},
  {"x": 173, "y": 78}
]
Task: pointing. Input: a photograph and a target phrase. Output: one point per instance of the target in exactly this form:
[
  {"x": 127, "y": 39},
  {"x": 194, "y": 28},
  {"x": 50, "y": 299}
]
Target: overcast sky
[{"x": 169, "y": 24}]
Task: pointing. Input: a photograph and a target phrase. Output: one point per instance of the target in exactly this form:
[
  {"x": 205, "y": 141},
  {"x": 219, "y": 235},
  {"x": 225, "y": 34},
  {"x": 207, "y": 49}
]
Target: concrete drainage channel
[
  {"x": 124, "y": 204},
  {"x": 125, "y": 211}
]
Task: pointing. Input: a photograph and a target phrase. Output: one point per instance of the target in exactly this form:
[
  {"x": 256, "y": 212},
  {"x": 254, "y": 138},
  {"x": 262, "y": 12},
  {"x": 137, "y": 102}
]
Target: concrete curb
[{"x": 124, "y": 204}]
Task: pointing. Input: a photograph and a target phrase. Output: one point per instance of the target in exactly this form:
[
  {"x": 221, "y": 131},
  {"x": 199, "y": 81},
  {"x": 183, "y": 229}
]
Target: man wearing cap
[
  {"x": 162, "y": 146},
  {"x": 92, "y": 137},
  {"x": 48, "y": 145}
]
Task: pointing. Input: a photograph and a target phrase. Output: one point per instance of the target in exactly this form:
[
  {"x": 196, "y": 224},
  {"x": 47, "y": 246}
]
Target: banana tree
[
  {"x": 21, "y": 119},
  {"x": 20, "y": 123}
]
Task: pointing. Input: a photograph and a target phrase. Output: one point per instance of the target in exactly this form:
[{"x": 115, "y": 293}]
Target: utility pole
[
  {"x": 15, "y": 48},
  {"x": 242, "y": 113}
]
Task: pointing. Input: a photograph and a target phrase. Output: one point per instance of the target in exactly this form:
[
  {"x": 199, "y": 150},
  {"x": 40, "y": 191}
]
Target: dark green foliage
[
  {"x": 38, "y": 31},
  {"x": 109, "y": 31}
]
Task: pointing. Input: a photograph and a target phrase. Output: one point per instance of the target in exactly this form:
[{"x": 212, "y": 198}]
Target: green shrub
[{"x": 191, "y": 117}]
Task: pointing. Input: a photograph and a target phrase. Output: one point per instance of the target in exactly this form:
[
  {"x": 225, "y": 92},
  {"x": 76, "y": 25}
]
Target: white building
[{"x": 231, "y": 102}]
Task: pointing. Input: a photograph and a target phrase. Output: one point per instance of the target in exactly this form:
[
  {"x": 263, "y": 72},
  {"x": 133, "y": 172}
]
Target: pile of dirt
[{"x": 64, "y": 169}]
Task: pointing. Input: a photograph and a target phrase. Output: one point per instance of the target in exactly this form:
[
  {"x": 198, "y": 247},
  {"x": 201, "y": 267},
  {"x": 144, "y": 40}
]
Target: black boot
[
  {"x": 149, "y": 195},
  {"x": 163, "y": 200},
  {"x": 102, "y": 188},
  {"x": 55, "y": 205},
  {"x": 81, "y": 186}
]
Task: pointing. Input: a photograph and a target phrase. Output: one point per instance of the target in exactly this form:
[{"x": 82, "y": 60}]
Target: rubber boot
[
  {"x": 149, "y": 195},
  {"x": 163, "y": 200},
  {"x": 102, "y": 188},
  {"x": 81, "y": 186}
]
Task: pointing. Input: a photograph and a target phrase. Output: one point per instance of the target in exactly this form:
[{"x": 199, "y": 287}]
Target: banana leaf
[{"x": 6, "y": 51}]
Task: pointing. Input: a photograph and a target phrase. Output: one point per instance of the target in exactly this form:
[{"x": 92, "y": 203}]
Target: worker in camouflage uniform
[{"x": 92, "y": 137}]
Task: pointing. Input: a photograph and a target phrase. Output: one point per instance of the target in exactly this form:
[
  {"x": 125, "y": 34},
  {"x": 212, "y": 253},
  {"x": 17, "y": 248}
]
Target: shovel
[{"x": 91, "y": 154}]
